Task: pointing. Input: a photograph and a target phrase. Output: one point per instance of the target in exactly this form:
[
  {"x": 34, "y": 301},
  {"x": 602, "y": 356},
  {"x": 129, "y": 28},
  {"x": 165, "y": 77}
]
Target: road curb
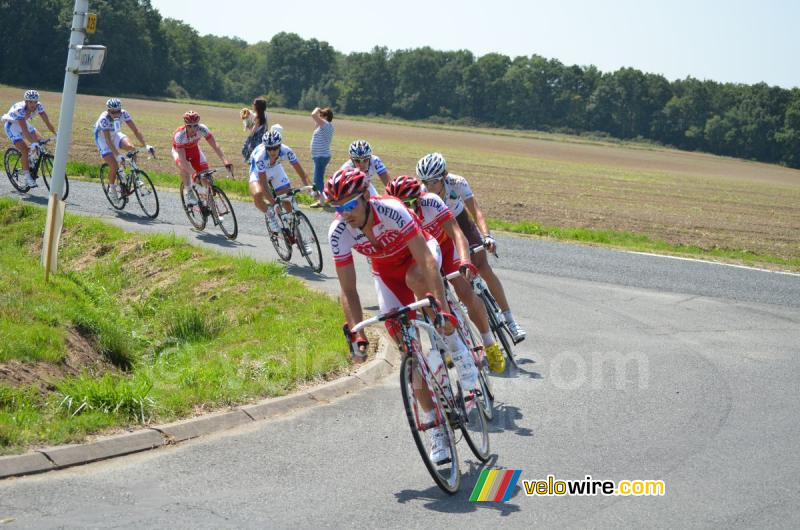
[{"x": 60, "y": 457}]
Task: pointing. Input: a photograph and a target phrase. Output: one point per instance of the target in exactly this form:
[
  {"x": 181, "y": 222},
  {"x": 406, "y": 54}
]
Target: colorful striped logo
[{"x": 494, "y": 485}]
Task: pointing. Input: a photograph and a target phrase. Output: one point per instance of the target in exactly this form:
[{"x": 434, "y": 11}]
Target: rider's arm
[
  {"x": 477, "y": 215},
  {"x": 351, "y": 302},
  {"x": 136, "y": 131},
  {"x": 454, "y": 232},
  {"x": 301, "y": 172},
  {"x": 46, "y": 120},
  {"x": 23, "y": 125},
  {"x": 422, "y": 255},
  {"x": 217, "y": 149},
  {"x": 386, "y": 178}
]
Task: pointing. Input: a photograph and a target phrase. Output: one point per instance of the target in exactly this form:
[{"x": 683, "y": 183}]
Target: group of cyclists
[{"x": 419, "y": 230}]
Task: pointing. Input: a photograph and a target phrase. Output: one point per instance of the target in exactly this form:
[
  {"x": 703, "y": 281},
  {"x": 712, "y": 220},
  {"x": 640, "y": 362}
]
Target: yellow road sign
[{"x": 91, "y": 22}]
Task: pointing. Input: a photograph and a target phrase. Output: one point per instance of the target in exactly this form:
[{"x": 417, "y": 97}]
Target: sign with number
[
  {"x": 90, "y": 58},
  {"x": 91, "y": 22}
]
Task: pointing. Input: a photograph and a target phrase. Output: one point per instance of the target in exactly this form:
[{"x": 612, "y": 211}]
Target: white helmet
[
  {"x": 31, "y": 95},
  {"x": 360, "y": 149},
  {"x": 272, "y": 138},
  {"x": 114, "y": 104},
  {"x": 431, "y": 166}
]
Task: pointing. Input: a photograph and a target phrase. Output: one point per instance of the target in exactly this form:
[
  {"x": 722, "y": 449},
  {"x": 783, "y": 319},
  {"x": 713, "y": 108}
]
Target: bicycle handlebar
[
  {"x": 483, "y": 247},
  {"x": 391, "y": 314},
  {"x": 292, "y": 192}
]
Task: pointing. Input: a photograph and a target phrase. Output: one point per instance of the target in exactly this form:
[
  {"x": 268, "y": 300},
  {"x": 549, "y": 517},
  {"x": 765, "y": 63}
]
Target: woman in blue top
[{"x": 321, "y": 148}]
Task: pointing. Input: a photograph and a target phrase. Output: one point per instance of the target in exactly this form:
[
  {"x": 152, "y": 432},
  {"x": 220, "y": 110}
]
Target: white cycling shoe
[
  {"x": 30, "y": 181},
  {"x": 440, "y": 448},
  {"x": 517, "y": 333}
]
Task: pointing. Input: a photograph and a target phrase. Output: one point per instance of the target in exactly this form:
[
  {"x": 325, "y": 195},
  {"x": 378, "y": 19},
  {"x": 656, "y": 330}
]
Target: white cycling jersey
[
  {"x": 18, "y": 111},
  {"x": 456, "y": 191},
  {"x": 376, "y": 168},
  {"x": 107, "y": 122},
  {"x": 276, "y": 175}
]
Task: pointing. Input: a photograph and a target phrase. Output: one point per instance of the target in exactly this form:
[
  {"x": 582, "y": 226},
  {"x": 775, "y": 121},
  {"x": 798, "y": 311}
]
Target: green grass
[
  {"x": 172, "y": 329},
  {"x": 639, "y": 243}
]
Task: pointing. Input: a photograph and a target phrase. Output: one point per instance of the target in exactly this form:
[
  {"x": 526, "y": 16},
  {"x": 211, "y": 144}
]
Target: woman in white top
[{"x": 321, "y": 148}]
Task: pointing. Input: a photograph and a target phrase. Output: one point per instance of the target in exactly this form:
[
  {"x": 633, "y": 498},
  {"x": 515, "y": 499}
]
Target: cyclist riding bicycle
[
  {"x": 109, "y": 139},
  {"x": 405, "y": 263},
  {"x": 267, "y": 173},
  {"x": 439, "y": 221},
  {"x": 361, "y": 157},
  {"x": 187, "y": 154},
  {"x": 456, "y": 193},
  {"x": 24, "y": 136}
]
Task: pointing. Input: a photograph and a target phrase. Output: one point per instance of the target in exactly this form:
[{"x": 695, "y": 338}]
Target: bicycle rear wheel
[
  {"x": 12, "y": 160},
  {"x": 121, "y": 200},
  {"x": 222, "y": 209},
  {"x": 307, "y": 242},
  {"x": 46, "y": 172},
  {"x": 280, "y": 241},
  {"x": 446, "y": 475},
  {"x": 194, "y": 213},
  {"x": 145, "y": 193}
]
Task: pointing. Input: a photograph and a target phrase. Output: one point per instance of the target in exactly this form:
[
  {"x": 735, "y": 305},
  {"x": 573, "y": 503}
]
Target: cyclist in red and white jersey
[
  {"x": 187, "y": 154},
  {"x": 17, "y": 124},
  {"x": 456, "y": 193},
  {"x": 361, "y": 157},
  {"x": 405, "y": 263},
  {"x": 438, "y": 220}
]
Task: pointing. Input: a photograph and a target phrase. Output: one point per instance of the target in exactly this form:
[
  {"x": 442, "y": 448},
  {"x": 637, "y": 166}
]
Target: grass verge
[
  {"x": 144, "y": 329},
  {"x": 642, "y": 243}
]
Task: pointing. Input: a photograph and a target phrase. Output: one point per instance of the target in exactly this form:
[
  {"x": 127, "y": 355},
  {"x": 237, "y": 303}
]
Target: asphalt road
[{"x": 635, "y": 367}]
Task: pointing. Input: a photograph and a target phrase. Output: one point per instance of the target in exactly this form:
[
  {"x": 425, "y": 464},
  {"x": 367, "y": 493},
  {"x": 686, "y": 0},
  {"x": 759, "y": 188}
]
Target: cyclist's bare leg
[
  {"x": 111, "y": 160},
  {"x": 260, "y": 197},
  {"x": 22, "y": 147},
  {"x": 476, "y": 309},
  {"x": 491, "y": 279}
]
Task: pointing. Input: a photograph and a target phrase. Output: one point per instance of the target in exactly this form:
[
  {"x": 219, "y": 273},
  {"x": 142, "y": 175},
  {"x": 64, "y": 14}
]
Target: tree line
[{"x": 150, "y": 55}]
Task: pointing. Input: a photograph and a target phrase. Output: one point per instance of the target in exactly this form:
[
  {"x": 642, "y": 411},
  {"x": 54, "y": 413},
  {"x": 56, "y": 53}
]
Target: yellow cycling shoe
[{"x": 497, "y": 361}]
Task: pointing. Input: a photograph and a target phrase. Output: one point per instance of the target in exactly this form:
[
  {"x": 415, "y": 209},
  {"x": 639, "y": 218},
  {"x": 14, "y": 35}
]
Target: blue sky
[{"x": 736, "y": 40}]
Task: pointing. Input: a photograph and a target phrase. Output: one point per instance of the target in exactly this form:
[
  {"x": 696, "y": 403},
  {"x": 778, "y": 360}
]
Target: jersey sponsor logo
[
  {"x": 390, "y": 213},
  {"x": 336, "y": 236}
]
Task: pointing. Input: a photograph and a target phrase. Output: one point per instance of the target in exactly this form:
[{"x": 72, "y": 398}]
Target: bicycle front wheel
[
  {"x": 474, "y": 426},
  {"x": 145, "y": 193},
  {"x": 280, "y": 241},
  {"x": 118, "y": 200},
  {"x": 194, "y": 213},
  {"x": 447, "y": 475},
  {"x": 307, "y": 241},
  {"x": 12, "y": 161},
  {"x": 222, "y": 210},
  {"x": 46, "y": 172}
]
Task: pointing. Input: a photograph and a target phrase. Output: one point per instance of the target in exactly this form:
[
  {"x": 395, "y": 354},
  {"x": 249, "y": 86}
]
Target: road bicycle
[
  {"x": 210, "y": 201},
  {"x": 452, "y": 408},
  {"x": 293, "y": 228},
  {"x": 132, "y": 181},
  {"x": 497, "y": 322},
  {"x": 41, "y": 165},
  {"x": 472, "y": 338}
]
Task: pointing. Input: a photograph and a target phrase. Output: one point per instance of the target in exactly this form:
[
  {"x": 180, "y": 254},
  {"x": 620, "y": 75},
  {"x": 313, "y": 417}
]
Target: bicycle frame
[{"x": 287, "y": 219}]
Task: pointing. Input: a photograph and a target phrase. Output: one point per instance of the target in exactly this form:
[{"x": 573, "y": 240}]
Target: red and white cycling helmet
[
  {"x": 404, "y": 188},
  {"x": 345, "y": 184},
  {"x": 191, "y": 117}
]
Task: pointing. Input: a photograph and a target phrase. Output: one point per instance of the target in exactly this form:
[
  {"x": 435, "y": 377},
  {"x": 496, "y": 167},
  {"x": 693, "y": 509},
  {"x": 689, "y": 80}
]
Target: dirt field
[{"x": 679, "y": 197}]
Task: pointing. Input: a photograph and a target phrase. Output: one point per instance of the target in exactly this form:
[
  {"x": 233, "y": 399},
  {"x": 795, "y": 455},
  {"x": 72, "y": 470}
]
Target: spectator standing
[
  {"x": 255, "y": 123},
  {"x": 321, "y": 149}
]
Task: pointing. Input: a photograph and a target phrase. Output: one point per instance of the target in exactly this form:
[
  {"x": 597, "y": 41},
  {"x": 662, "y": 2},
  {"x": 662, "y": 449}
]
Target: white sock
[
  {"x": 508, "y": 316},
  {"x": 488, "y": 338}
]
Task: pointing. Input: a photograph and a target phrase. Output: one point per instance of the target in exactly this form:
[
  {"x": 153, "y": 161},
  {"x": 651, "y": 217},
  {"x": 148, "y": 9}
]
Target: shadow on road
[
  {"x": 505, "y": 419},
  {"x": 139, "y": 219},
  {"x": 437, "y": 500},
  {"x": 218, "y": 239}
]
